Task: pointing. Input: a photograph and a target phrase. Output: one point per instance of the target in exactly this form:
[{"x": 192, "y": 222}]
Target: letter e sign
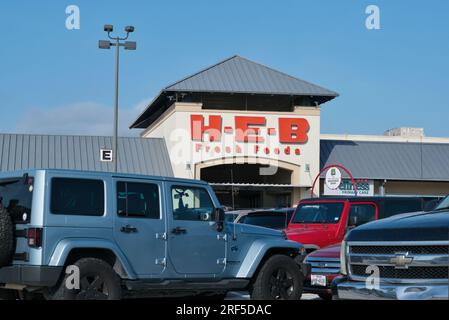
[{"x": 105, "y": 155}]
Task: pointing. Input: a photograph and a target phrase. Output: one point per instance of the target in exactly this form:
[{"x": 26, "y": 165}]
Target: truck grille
[
  {"x": 400, "y": 262},
  {"x": 410, "y": 273},
  {"x": 324, "y": 265},
  {"x": 394, "y": 249}
]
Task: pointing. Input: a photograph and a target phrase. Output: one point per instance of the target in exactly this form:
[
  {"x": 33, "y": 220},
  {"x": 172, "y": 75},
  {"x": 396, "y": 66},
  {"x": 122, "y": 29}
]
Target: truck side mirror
[{"x": 219, "y": 218}]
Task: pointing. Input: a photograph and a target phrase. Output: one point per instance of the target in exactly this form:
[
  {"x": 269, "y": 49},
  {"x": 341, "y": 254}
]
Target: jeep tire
[
  {"x": 279, "y": 278},
  {"x": 6, "y": 237},
  {"x": 98, "y": 281}
]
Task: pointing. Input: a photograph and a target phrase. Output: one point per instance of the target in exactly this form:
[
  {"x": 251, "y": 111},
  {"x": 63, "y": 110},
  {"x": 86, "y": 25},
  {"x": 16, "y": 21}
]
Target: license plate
[{"x": 318, "y": 280}]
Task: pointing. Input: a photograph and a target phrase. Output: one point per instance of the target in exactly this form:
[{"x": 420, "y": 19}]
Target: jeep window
[
  {"x": 139, "y": 200},
  {"x": 193, "y": 204},
  {"x": 16, "y": 197},
  {"x": 77, "y": 197},
  {"x": 362, "y": 213},
  {"x": 325, "y": 212}
]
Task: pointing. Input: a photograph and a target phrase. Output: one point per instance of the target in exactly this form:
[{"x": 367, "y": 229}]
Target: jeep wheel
[
  {"x": 280, "y": 278},
  {"x": 6, "y": 237},
  {"x": 98, "y": 281}
]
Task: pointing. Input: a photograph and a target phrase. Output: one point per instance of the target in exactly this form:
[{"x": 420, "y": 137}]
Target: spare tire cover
[{"x": 6, "y": 237}]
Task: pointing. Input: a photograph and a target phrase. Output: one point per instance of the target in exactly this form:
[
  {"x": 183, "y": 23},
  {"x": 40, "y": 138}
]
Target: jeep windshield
[
  {"x": 16, "y": 197},
  {"x": 324, "y": 212}
]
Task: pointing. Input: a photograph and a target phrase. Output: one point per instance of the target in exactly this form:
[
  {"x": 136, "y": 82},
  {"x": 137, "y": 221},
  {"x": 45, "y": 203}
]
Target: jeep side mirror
[{"x": 219, "y": 217}]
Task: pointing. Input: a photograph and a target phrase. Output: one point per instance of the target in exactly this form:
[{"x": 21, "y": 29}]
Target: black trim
[
  {"x": 20, "y": 233},
  {"x": 20, "y": 256},
  {"x": 36, "y": 276},
  {"x": 187, "y": 285}
]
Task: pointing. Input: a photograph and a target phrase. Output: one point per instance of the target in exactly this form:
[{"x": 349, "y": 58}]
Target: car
[
  {"x": 322, "y": 222},
  {"x": 404, "y": 257},
  {"x": 325, "y": 265},
  {"x": 272, "y": 218},
  {"x": 77, "y": 235}
]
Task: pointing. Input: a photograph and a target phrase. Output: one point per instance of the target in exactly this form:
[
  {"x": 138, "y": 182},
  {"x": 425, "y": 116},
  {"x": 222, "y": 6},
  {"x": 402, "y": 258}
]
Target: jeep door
[
  {"x": 195, "y": 245},
  {"x": 139, "y": 224}
]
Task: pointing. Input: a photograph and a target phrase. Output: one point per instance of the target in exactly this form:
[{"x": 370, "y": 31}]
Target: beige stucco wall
[
  {"x": 174, "y": 126},
  {"x": 414, "y": 188}
]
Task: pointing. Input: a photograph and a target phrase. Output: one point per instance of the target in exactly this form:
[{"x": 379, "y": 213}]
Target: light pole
[{"x": 128, "y": 45}]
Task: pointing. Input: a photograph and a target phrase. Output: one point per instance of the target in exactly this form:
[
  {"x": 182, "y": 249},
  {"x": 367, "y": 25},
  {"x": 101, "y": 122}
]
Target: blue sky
[{"x": 53, "y": 80}]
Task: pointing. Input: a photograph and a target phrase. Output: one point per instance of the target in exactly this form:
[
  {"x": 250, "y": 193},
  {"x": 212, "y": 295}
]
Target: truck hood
[
  {"x": 332, "y": 251},
  {"x": 310, "y": 235},
  {"x": 418, "y": 226}
]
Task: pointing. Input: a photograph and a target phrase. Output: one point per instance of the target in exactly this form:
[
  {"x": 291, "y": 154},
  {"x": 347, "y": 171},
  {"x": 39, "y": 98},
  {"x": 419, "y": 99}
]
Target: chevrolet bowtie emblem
[{"x": 401, "y": 260}]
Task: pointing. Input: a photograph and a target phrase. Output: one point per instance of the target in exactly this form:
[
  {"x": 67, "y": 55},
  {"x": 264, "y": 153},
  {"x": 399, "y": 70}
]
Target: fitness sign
[{"x": 335, "y": 185}]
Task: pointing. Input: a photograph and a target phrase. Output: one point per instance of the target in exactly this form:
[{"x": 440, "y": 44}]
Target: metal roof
[
  {"x": 136, "y": 155},
  {"x": 240, "y": 75},
  {"x": 236, "y": 75},
  {"x": 388, "y": 160}
]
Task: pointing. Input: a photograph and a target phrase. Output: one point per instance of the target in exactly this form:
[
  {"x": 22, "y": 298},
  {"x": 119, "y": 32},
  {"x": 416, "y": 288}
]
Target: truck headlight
[{"x": 343, "y": 268}]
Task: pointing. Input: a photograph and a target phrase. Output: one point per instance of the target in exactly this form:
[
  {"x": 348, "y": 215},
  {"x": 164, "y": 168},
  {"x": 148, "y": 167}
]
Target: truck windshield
[
  {"x": 16, "y": 196},
  {"x": 326, "y": 212}
]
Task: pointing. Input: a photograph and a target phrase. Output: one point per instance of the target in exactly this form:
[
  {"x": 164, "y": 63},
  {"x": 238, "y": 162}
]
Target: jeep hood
[
  {"x": 418, "y": 226},
  {"x": 308, "y": 235},
  {"x": 256, "y": 230}
]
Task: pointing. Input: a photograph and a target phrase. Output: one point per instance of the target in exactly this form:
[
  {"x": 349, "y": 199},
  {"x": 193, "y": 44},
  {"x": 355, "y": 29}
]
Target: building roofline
[
  {"x": 307, "y": 91},
  {"x": 381, "y": 138},
  {"x": 330, "y": 94}
]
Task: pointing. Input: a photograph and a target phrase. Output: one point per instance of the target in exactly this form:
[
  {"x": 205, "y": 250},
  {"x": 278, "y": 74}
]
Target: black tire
[
  {"x": 6, "y": 237},
  {"x": 6, "y": 294},
  {"x": 98, "y": 281},
  {"x": 280, "y": 278}
]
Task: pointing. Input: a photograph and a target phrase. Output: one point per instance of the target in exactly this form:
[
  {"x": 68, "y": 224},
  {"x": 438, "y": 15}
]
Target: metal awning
[{"x": 259, "y": 185}]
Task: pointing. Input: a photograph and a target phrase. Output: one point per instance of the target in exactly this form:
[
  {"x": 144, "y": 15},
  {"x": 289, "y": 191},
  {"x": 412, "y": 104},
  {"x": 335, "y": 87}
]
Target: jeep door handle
[
  {"x": 128, "y": 229},
  {"x": 178, "y": 231}
]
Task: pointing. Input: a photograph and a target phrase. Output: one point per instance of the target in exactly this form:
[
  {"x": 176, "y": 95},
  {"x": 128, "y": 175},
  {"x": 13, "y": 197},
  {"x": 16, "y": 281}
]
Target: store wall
[
  {"x": 292, "y": 138},
  {"x": 415, "y": 188}
]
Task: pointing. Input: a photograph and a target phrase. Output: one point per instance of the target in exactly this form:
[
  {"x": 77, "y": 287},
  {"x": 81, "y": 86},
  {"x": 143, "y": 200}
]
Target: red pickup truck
[{"x": 323, "y": 223}]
